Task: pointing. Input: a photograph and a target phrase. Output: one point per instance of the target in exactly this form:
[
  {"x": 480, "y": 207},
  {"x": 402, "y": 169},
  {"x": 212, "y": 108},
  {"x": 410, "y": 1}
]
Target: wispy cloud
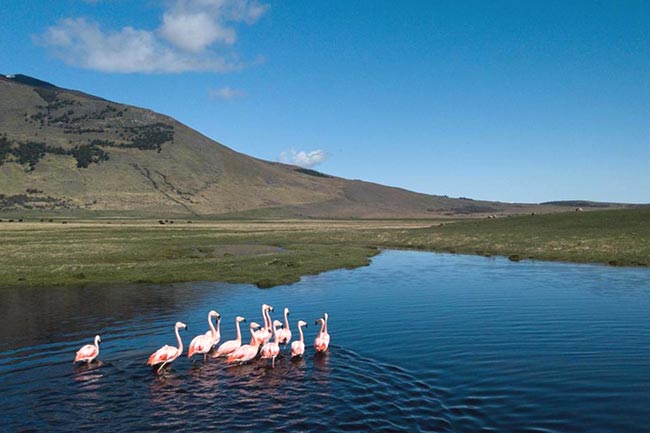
[
  {"x": 305, "y": 159},
  {"x": 226, "y": 93},
  {"x": 194, "y": 35}
]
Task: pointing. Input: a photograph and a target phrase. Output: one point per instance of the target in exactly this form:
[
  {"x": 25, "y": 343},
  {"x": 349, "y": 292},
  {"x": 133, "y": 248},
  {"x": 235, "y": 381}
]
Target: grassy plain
[{"x": 101, "y": 251}]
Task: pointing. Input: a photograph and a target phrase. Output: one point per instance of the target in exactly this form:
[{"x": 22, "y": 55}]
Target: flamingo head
[
  {"x": 181, "y": 325},
  {"x": 254, "y": 326},
  {"x": 98, "y": 339},
  {"x": 266, "y": 307},
  {"x": 321, "y": 320},
  {"x": 302, "y": 323},
  {"x": 240, "y": 319},
  {"x": 286, "y": 311},
  {"x": 214, "y": 314},
  {"x": 325, "y": 316},
  {"x": 277, "y": 323}
]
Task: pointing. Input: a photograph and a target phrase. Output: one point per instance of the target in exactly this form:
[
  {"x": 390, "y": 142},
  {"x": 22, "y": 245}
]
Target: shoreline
[{"x": 270, "y": 253}]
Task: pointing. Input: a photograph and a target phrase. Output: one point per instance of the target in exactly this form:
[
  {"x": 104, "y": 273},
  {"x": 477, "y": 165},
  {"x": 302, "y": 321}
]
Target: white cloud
[
  {"x": 225, "y": 93},
  {"x": 194, "y": 31},
  {"x": 188, "y": 39},
  {"x": 305, "y": 159}
]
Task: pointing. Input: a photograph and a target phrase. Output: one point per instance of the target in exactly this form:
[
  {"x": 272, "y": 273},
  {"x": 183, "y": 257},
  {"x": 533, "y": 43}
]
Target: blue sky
[{"x": 501, "y": 100}]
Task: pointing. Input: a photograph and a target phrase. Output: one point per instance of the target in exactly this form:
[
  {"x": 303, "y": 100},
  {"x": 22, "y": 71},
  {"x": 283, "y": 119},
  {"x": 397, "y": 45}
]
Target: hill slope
[{"x": 63, "y": 149}]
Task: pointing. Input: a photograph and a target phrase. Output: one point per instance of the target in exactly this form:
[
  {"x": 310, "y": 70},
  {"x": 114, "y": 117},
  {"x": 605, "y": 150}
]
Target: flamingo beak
[
  {"x": 244, "y": 320},
  {"x": 315, "y": 323},
  {"x": 186, "y": 327}
]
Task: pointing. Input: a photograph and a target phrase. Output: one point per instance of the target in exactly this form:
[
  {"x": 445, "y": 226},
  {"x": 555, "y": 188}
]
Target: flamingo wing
[
  {"x": 164, "y": 354},
  {"x": 284, "y": 335},
  {"x": 262, "y": 335},
  {"x": 200, "y": 344},
  {"x": 297, "y": 348},
  {"x": 87, "y": 352},
  {"x": 227, "y": 348},
  {"x": 244, "y": 353},
  {"x": 269, "y": 350},
  {"x": 322, "y": 342}
]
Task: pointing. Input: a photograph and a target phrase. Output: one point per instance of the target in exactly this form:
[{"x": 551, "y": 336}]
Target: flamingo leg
[{"x": 161, "y": 367}]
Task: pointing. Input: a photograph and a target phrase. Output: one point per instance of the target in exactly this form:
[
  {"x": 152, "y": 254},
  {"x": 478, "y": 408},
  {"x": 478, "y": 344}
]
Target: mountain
[{"x": 64, "y": 150}]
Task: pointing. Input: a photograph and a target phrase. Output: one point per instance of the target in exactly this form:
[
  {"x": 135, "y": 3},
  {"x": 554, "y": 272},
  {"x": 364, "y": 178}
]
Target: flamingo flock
[{"x": 264, "y": 343}]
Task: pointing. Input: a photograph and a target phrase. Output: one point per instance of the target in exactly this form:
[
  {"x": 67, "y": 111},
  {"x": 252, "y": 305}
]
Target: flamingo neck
[
  {"x": 238, "y": 331},
  {"x": 253, "y": 339},
  {"x": 180, "y": 342},
  {"x": 97, "y": 343},
  {"x": 324, "y": 325},
  {"x": 302, "y": 338},
  {"x": 322, "y": 328},
  {"x": 275, "y": 335},
  {"x": 212, "y": 330},
  {"x": 266, "y": 323},
  {"x": 218, "y": 325},
  {"x": 286, "y": 320}
]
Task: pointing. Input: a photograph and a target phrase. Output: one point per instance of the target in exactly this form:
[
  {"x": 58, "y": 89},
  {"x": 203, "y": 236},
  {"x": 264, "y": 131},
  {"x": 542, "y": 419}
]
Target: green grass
[
  {"x": 616, "y": 237},
  {"x": 268, "y": 253}
]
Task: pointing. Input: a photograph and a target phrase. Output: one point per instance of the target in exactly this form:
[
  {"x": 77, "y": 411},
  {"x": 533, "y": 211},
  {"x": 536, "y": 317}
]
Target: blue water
[{"x": 420, "y": 342}]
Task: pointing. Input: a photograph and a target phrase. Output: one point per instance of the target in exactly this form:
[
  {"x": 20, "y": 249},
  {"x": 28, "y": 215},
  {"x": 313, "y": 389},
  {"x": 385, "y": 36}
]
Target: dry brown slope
[{"x": 188, "y": 173}]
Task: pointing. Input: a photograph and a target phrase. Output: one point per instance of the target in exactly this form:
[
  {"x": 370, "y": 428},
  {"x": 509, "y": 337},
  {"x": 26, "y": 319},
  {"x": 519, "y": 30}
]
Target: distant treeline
[
  {"x": 577, "y": 203},
  {"x": 31, "y": 152},
  {"x": 65, "y": 113}
]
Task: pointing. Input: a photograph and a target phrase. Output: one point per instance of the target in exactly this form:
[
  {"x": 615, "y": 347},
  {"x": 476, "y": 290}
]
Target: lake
[{"x": 420, "y": 342}]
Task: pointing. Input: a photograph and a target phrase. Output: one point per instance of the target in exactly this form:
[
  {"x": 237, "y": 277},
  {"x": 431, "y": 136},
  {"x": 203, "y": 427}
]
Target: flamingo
[
  {"x": 298, "y": 347},
  {"x": 88, "y": 352},
  {"x": 271, "y": 349},
  {"x": 167, "y": 354},
  {"x": 247, "y": 351},
  {"x": 322, "y": 341},
  {"x": 264, "y": 335},
  {"x": 284, "y": 334},
  {"x": 230, "y": 346},
  {"x": 205, "y": 342}
]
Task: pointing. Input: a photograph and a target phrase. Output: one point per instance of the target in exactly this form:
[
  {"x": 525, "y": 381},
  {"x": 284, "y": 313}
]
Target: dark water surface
[{"x": 420, "y": 342}]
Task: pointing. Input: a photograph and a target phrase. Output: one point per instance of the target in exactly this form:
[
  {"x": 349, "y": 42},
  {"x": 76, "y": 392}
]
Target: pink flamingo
[
  {"x": 271, "y": 349},
  {"x": 88, "y": 352},
  {"x": 322, "y": 341},
  {"x": 284, "y": 334},
  {"x": 298, "y": 347},
  {"x": 230, "y": 346},
  {"x": 167, "y": 354},
  {"x": 264, "y": 335},
  {"x": 205, "y": 342},
  {"x": 248, "y": 351}
]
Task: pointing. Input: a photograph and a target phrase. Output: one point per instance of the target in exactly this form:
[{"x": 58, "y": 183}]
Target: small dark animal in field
[
  {"x": 171, "y": 222},
  {"x": 11, "y": 221},
  {"x": 161, "y": 222},
  {"x": 189, "y": 222},
  {"x": 578, "y": 209},
  {"x": 64, "y": 222},
  {"x": 50, "y": 221},
  {"x": 20, "y": 220}
]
